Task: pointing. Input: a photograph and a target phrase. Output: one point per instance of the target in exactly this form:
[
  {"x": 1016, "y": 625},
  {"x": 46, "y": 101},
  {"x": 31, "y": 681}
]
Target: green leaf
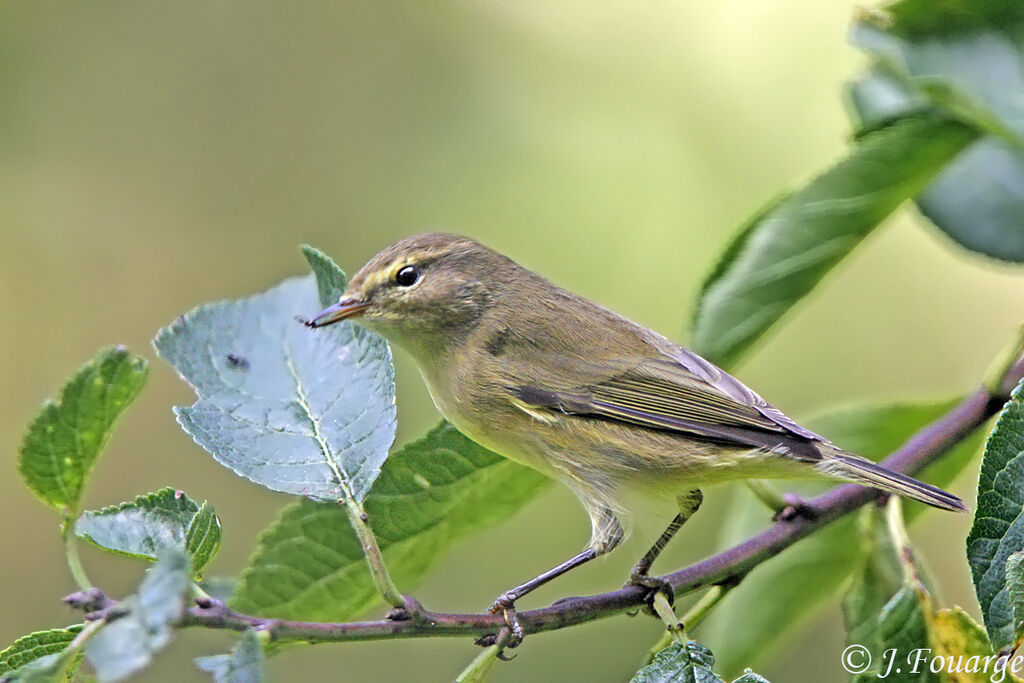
[
  {"x": 128, "y": 644},
  {"x": 903, "y": 626},
  {"x": 955, "y": 634},
  {"x": 431, "y": 492},
  {"x": 65, "y": 439},
  {"x": 35, "y": 645},
  {"x": 303, "y": 411},
  {"x": 60, "y": 667},
  {"x": 889, "y": 612},
  {"x": 805, "y": 576},
  {"x": 979, "y": 200},
  {"x": 689, "y": 663},
  {"x": 151, "y": 523},
  {"x": 886, "y": 607},
  {"x": 781, "y": 255},
  {"x": 967, "y": 58},
  {"x": 998, "y": 529},
  {"x": 1015, "y": 586},
  {"x": 243, "y": 665},
  {"x": 330, "y": 279},
  {"x": 202, "y": 540},
  {"x": 878, "y": 580}
]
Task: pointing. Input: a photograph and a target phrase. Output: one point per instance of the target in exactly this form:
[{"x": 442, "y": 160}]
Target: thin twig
[{"x": 922, "y": 448}]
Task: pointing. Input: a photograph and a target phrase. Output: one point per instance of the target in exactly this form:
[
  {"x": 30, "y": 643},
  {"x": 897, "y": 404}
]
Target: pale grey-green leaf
[
  {"x": 243, "y": 665},
  {"x": 127, "y": 644},
  {"x": 303, "y": 411},
  {"x": 152, "y": 523}
]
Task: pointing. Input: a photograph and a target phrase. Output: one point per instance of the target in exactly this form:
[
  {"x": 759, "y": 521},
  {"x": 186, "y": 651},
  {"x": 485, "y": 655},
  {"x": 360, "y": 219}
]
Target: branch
[{"x": 727, "y": 567}]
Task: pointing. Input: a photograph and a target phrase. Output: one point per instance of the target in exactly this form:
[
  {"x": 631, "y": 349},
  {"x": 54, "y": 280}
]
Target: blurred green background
[{"x": 154, "y": 156}]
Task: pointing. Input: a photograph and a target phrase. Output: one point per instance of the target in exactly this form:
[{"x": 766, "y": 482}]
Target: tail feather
[{"x": 853, "y": 468}]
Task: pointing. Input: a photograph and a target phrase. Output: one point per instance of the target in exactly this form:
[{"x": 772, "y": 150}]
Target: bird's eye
[{"x": 408, "y": 276}]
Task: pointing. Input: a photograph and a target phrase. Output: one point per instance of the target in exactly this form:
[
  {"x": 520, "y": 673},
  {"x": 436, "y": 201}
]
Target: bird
[{"x": 554, "y": 381}]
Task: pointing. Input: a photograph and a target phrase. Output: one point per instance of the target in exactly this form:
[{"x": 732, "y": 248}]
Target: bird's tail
[{"x": 842, "y": 465}]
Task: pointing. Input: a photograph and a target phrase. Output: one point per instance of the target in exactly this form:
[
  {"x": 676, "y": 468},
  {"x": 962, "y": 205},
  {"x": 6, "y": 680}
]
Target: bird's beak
[{"x": 348, "y": 307}]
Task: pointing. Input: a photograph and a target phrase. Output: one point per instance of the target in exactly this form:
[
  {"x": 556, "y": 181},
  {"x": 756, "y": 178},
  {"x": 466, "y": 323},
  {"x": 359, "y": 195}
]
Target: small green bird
[{"x": 558, "y": 383}]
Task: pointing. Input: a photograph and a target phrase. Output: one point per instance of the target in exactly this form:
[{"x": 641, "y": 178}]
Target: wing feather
[{"x": 693, "y": 397}]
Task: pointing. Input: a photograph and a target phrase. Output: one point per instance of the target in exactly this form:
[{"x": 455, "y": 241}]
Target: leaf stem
[
  {"x": 768, "y": 494},
  {"x": 700, "y": 609},
  {"x": 482, "y": 664},
  {"x": 694, "y": 616},
  {"x": 374, "y": 559},
  {"x": 673, "y": 627},
  {"x": 67, "y": 535},
  {"x": 901, "y": 540}
]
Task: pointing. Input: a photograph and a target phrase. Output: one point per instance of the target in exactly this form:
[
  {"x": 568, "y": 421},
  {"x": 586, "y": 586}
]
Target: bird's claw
[
  {"x": 505, "y": 605},
  {"x": 505, "y": 601},
  {"x": 515, "y": 629},
  {"x": 653, "y": 586}
]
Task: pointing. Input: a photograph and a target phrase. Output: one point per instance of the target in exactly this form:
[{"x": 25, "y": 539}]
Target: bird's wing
[{"x": 679, "y": 392}]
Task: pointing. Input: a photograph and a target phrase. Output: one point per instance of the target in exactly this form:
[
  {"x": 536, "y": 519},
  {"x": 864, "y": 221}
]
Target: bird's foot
[
  {"x": 795, "y": 507},
  {"x": 505, "y": 605},
  {"x": 653, "y": 586}
]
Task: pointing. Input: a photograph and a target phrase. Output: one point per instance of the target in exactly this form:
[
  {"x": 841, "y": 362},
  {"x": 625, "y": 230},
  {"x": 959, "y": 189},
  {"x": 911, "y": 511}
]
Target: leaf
[
  {"x": 955, "y": 634},
  {"x": 998, "y": 529},
  {"x": 689, "y": 663},
  {"x": 302, "y": 411},
  {"x": 35, "y": 645},
  {"x": 202, "y": 540},
  {"x": 59, "y": 667},
  {"x": 243, "y": 665},
  {"x": 891, "y": 615},
  {"x": 878, "y": 579},
  {"x": 979, "y": 200},
  {"x": 431, "y": 492},
  {"x": 330, "y": 279},
  {"x": 65, "y": 439},
  {"x": 805, "y": 576},
  {"x": 967, "y": 58},
  {"x": 903, "y": 627},
  {"x": 152, "y": 523},
  {"x": 887, "y": 607},
  {"x": 127, "y": 645},
  {"x": 1015, "y": 586},
  {"x": 781, "y": 255}
]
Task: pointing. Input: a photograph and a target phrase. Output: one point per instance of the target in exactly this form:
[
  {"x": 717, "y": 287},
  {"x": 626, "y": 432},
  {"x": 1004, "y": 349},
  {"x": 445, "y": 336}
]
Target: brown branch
[{"x": 922, "y": 448}]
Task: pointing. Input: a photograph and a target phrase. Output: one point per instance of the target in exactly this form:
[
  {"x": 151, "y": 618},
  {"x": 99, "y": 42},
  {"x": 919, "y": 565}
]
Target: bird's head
[{"x": 425, "y": 293}]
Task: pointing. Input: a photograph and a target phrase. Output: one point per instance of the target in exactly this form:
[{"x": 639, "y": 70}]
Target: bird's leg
[
  {"x": 688, "y": 505},
  {"x": 609, "y": 534}
]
